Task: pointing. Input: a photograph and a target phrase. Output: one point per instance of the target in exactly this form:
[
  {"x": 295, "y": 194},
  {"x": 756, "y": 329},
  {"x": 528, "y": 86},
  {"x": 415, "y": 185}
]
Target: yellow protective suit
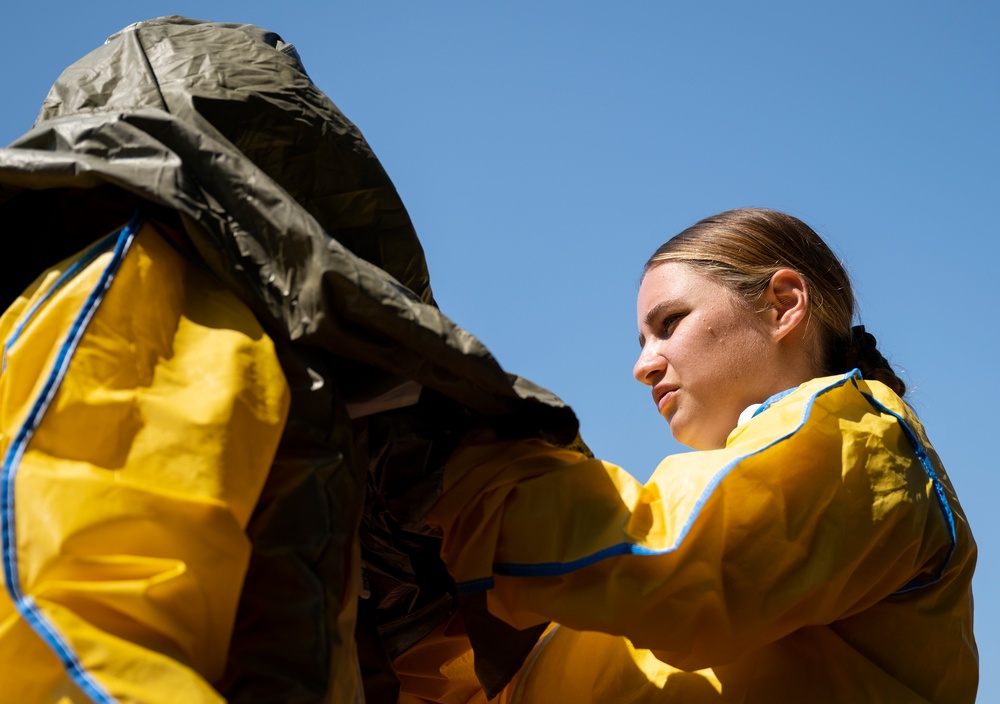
[
  {"x": 136, "y": 441},
  {"x": 821, "y": 556}
]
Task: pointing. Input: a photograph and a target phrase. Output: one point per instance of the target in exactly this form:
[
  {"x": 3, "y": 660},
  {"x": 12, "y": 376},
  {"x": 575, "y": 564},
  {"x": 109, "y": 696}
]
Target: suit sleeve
[{"x": 815, "y": 510}]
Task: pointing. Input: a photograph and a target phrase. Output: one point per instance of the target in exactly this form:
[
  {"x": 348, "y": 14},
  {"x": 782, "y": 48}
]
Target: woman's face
[{"x": 705, "y": 355}]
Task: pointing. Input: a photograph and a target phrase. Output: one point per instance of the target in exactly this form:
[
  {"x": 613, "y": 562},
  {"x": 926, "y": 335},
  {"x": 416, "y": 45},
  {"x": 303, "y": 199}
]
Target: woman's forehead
[
  {"x": 676, "y": 279},
  {"x": 673, "y": 287}
]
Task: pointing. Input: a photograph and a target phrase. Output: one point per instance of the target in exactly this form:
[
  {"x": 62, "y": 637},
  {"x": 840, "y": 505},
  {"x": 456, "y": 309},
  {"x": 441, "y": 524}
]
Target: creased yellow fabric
[
  {"x": 785, "y": 564},
  {"x": 130, "y": 498}
]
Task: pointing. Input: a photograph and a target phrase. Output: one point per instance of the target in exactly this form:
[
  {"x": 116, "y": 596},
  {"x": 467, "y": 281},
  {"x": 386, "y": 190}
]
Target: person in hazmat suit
[
  {"x": 812, "y": 549},
  {"x": 227, "y": 392}
]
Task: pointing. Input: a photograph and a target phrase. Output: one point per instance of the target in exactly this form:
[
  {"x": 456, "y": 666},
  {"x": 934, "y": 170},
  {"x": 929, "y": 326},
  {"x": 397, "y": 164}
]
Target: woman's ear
[{"x": 788, "y": 296}]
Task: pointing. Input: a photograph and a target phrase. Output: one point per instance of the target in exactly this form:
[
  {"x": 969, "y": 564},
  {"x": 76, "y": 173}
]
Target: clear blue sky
[{"x": 545, "y": 149}]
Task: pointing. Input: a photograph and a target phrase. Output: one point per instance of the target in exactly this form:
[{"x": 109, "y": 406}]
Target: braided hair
[{"x": 861, "y": 352}]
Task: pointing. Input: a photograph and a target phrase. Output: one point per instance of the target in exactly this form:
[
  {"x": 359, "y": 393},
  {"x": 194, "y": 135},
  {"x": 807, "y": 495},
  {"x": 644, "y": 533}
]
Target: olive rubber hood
[{"x": 248, "y": 94}]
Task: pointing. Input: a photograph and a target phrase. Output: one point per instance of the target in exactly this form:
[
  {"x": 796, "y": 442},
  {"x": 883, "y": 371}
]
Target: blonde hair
[{"x": 743, "y": 248}]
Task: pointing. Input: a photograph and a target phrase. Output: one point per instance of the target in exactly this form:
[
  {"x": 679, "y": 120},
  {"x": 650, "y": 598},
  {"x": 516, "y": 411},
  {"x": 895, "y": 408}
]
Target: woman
[{"x": 812, "y": 550}]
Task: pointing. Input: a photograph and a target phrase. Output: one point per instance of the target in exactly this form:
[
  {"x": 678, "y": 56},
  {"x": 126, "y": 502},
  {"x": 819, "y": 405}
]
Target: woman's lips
[{"x": 664, "y": 396}]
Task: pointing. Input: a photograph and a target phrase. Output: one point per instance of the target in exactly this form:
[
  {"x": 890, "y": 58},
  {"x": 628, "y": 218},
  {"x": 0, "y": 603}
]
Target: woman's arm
[{"x": 815, "y": 510}]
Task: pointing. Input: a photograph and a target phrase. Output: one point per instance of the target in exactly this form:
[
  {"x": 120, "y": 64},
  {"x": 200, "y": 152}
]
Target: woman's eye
[{"x": 669, "y": 323}]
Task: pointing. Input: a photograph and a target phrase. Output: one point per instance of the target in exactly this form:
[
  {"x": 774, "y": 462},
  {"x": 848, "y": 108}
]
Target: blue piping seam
[
  {"x": 26, "y": 605},
  {"x": 554, "y": 569},
  {"x": 939, "y": 492},
  {"x": 82, "y": 262},
  {"x": 774, "y": 399}
]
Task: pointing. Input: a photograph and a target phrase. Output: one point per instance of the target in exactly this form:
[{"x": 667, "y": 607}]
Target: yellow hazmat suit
[
  {"x": 136, "y": 442},
  {"x": 821, "y": 556}
]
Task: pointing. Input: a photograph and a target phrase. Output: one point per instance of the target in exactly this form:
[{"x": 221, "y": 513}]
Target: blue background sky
[{"x": 544, "y": 150}]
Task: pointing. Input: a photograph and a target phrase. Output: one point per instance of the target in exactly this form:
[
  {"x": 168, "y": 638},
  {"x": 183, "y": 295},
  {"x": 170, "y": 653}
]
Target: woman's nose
[{"x": 649, "y": 367}]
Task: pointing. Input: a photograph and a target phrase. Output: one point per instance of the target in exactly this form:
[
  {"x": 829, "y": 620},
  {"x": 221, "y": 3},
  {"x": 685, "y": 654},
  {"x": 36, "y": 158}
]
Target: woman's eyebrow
[
  {"x": 658, "y": 312},
  {"x": 654, "y": 315}
]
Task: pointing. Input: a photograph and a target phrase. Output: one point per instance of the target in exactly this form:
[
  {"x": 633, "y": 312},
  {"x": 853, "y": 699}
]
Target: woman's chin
[
  {"x": 697, "y": 438},
  {"x": 683, "y": 433}
]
